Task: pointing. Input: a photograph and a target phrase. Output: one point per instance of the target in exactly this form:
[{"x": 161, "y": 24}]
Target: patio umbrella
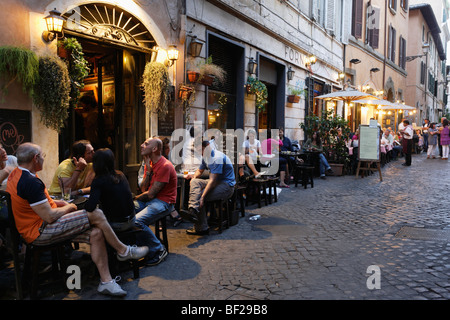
[
  {"x": 396, "y": 107},
  {"x": 347, "y": 95}
]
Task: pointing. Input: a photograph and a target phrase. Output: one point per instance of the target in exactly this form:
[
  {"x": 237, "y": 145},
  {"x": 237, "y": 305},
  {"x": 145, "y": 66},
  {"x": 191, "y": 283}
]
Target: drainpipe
[{"x": 385, "y": 44}]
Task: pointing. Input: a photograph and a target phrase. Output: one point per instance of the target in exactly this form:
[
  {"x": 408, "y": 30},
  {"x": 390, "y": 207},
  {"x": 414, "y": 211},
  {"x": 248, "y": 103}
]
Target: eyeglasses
[{"x": 42, "y": 155}]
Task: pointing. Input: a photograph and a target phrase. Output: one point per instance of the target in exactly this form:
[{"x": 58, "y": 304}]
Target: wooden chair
[{"x": 30, "y": 273}]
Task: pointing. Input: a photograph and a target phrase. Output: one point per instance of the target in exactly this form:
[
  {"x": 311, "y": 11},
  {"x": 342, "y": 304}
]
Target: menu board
[
  {"x": 15, "y": 128},
  {"x": 369, "y": 143}
]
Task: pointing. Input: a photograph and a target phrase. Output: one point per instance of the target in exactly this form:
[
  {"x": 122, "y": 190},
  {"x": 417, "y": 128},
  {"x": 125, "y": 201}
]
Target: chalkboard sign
[
  {"x": 166, "y": 123},
  {"x": 369, "y": 143},
  {"x": 15, "y": 128}
]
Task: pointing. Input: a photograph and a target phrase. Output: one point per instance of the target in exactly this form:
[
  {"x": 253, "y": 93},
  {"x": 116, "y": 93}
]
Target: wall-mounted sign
[{"x": 15, "y": 128}]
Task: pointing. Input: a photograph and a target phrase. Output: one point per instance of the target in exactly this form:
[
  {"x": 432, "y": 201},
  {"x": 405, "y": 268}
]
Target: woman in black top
[{"x": 110, "y": 190}]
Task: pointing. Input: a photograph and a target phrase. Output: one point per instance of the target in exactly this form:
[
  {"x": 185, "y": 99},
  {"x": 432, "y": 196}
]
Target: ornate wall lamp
[
  {"x": 195, "y": 46},
  {"x": 252, "y": 65},
  {"x": 54, "y": 23},
  {"x": 310, "y": 61},
  {"x": 172, "y": 55},
  {"x": 290, "y": 73}
]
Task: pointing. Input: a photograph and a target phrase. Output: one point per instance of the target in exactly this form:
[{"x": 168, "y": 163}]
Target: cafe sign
[{"x": 15, "y": 129}]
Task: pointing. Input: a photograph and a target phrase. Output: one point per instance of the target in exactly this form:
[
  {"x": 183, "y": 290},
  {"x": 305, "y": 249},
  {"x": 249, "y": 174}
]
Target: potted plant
[
  {"x": 294, "y": 94},
  {"x": 186, "y": 96},
  {"x": 71, "y": 51},
  {"x": 156, "y": 86},
  {"x": 205, "y": 71},
  {"x": 334, "y": 144},
  {"x": 52, "y": 92},
  {"x": 259, "y": 89}
]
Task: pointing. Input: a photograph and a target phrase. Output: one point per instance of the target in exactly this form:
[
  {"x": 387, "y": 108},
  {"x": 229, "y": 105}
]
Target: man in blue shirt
[{"x": 220, "y": 185}]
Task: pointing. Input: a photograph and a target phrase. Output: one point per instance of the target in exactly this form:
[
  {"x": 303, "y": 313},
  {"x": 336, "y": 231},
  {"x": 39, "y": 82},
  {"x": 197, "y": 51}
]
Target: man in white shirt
[{"x": 407, "y": 133}]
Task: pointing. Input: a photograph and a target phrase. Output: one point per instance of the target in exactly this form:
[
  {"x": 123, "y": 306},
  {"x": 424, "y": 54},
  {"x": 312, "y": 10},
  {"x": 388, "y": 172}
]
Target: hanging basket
[
  {"x": 206, "y": 80},
  {"x": 184, "y": 93},
  {"x": 293, "y": 98},
  {"x": 193, "y": 76}
]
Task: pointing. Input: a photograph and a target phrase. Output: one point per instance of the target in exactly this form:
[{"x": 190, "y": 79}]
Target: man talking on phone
[{"x": 76, "y": 172}]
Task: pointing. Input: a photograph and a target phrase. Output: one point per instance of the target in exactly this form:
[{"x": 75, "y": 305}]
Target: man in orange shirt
[
  {"x": 41, "y": 220},
  {"x": 159, "y": 194}
]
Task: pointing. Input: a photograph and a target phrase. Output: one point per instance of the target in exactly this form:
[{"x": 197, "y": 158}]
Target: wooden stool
[
  {"x": 163, "y": 230},
  {"x": 306, "y": 173},
  {"x": 128, "y": 237},
  {"x": 221, "y": 208},
  {"x": 260, "y": 184},
  {"x": 272, "y": 184}
]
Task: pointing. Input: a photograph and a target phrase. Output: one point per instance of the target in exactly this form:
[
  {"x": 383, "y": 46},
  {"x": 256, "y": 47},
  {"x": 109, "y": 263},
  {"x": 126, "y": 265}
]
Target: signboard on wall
[{"x": 15, "y": 128}]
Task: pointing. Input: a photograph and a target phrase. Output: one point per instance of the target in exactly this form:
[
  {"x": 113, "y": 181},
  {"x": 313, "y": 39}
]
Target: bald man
[
  {"x": 158, "y": 197},
  {"x": 41, "y": 220}
]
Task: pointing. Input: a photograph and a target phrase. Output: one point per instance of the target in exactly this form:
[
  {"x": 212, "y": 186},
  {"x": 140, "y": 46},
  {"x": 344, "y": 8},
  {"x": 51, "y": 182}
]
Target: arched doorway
[{"x": 117, "y": 45}]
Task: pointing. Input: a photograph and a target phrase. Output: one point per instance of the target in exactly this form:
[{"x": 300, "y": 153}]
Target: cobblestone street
[{"x": 316, "y": 243}]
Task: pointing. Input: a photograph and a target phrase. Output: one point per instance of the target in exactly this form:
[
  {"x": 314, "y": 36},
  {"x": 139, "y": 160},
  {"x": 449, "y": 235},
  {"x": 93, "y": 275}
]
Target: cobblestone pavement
[{"x": 316, "y": 243}]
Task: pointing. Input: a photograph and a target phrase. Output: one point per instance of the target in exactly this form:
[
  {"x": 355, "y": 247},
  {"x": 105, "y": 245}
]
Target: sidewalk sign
[{"x": 369, "y": 148}]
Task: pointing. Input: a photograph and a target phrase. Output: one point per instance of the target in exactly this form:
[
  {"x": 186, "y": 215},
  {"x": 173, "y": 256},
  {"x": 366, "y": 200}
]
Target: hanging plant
[
  {"x": 204, "y": 71},
  {"x": 52, "y": 92},
  {"x": 186, "y": 96},
  {"x": 19, "y": 64},
  {"x": 78, "y": 67},
  {"x": 259, "y": 89},
  {"x": 156, "y": 86}
]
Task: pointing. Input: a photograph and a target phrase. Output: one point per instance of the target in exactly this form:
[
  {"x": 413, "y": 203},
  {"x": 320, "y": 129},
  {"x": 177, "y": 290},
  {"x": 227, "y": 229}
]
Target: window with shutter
[
  {"x": 373, "y": 26},
  {"x": 357, "y": 18},
  {"x": 392, "y": 36},
  {"x": 422, "y": 72}
]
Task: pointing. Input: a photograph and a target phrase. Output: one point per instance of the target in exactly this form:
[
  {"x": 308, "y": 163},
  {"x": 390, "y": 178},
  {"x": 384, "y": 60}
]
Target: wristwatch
[{"x": 80, "y": 192}]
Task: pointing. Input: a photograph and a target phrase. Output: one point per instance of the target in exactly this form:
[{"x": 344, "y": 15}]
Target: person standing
[
  {"x": 407, "y": 133},
  {"x": 425, "y": 127},
  {"x": 445, "y": 139},
  {"x": 432, "y": 141}
]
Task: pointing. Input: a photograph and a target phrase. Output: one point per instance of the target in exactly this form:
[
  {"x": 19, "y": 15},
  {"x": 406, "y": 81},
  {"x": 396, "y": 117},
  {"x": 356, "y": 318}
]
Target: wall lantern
[
  {"x": 355, "y": 61},
  {"x": 310, "y": 61},
  {"x": 172, "y": 55},
  {"x": 252, "y": 65},
  {"x": 54, "y": 23},
  {"x": 374, "y": 70},
  {"x": 195, "y": 47},
  {"x": 290, "y": 73}
]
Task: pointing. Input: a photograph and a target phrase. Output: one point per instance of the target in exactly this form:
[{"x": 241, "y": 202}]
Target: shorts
[{"x": 73, "y": 226}]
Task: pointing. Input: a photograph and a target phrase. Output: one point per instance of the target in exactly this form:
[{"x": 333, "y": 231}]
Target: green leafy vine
[{"x": 259, "y": 89}]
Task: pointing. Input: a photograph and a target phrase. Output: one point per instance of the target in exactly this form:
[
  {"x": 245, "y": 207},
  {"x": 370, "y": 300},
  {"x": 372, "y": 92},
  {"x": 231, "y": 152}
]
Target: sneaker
[
  {"x": 134, "y": 253},
  {"x": 158, "y": 258},
  {"x": 112, "y": 288}
]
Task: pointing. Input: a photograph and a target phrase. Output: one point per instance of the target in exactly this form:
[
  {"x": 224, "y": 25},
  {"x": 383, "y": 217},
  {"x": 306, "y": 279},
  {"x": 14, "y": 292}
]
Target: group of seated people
[{"x": 42, "y": 217}]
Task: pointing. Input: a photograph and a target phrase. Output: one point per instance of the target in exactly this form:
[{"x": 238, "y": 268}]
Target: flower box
[{"x": 292, "y": 98}]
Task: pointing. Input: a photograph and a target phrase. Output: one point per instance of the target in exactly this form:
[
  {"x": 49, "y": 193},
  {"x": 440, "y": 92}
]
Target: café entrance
[{"x": 110, "y": 111}]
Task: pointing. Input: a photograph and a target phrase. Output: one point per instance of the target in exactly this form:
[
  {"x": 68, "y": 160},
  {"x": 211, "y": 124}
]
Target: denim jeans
[
  {"x": 146, "y": 214},
  {"x": 323, "y": 164}
]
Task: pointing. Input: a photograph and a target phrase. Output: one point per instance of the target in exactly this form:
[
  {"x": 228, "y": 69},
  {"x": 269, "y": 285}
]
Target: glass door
[{"x": 110, "y": 111}]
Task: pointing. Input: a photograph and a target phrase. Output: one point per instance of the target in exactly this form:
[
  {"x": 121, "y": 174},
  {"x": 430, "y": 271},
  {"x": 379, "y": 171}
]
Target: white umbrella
[
  {"x": 346, "y": 95},
  {"x": 396, "y": 107}
]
